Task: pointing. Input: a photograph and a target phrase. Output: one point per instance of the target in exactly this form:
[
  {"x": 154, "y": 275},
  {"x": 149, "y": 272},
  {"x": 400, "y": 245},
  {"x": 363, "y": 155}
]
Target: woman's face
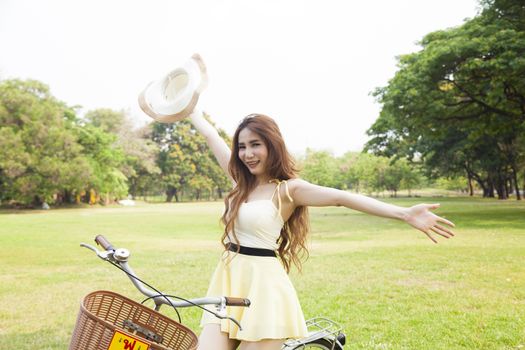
[{"x": 253, "y": 152}]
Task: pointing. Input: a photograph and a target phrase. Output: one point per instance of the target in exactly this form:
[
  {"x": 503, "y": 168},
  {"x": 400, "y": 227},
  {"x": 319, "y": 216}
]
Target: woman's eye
[{"x": 242, "y": 147}]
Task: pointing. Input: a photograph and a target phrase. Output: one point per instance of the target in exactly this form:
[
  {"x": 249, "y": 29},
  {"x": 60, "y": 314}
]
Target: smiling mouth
[{"x": 252, "y": 165}]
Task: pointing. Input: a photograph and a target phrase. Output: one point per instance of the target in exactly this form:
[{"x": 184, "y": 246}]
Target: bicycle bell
[{"x": 121, "y": 254}]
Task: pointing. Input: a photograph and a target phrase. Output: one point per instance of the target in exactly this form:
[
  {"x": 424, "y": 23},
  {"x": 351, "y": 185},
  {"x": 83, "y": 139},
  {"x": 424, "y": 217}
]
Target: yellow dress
[{"x": 275, "y": 312}]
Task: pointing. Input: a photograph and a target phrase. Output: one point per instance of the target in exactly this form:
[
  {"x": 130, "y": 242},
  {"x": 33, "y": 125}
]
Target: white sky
[{"x": 309, "y": 64}]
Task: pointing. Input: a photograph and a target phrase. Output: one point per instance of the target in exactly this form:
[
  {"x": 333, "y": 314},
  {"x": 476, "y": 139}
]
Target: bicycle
[{"x": 109, "y": 321}]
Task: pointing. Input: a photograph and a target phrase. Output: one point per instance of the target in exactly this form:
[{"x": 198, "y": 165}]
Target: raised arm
[
  {"x": 418, "y": 216},
  {"x": 217, "y": 145}
]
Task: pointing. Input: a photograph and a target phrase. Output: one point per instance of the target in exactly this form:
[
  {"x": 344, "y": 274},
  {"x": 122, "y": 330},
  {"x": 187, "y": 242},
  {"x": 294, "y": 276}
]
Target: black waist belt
[{"x": 251, "y": 251}]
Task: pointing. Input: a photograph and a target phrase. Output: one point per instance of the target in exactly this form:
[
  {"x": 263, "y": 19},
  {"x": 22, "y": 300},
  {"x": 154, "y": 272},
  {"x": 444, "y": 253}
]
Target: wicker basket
[{"x": 101, "y": 321}]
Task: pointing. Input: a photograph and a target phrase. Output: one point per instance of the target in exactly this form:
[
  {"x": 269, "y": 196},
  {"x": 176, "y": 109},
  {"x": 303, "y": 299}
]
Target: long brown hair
[{"x": 292, "y": 240}]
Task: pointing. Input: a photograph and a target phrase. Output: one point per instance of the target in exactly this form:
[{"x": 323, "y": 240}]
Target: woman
[{"x": 265, "y": 219}]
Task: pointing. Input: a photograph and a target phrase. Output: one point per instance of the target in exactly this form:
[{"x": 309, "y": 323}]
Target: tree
[
  {"x": 105, "y": 159},
  {"x": 397, "y": 176},
  {"x": 362, "y": 172},
  {"x": 321, "y": 168},
  {"x": 459, "y": 103},
  {"x": 41, "y": 156},
  {"x": 141, "y": 168},
  {"x": 139, "y": 151},
  {"x": 185, "y": 160},
  {"x": 108, "y": 120},
  {"x": 452, "y": 184}
]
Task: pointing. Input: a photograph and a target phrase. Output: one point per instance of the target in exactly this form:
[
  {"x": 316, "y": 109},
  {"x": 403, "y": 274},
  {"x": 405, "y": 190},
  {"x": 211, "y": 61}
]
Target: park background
[{"x": 450, "y": 124}]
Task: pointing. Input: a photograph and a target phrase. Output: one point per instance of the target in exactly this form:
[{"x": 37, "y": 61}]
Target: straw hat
[{"x": 174, "y": 96}]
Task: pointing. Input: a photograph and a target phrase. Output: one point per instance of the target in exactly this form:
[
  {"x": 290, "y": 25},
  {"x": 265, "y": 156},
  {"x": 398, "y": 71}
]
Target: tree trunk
[
  {"x": 490, "y": 189},
  {"x": 501, "y": 186},
  {"x": 515, "y": 180},
  {"x": 470, "y": 187},
  {"x": 483, "y": 183},
  {"x": 69, "y": 197},
  {"x": 170, "y": 193},
  {"x": 484, "y": 186},
  {"x": 37, "y": 201}
]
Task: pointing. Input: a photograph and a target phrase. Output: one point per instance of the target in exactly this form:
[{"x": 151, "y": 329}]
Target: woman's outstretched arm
[
  {"x": 216, "y": 143},
  {"x": 418, "y": 216}
]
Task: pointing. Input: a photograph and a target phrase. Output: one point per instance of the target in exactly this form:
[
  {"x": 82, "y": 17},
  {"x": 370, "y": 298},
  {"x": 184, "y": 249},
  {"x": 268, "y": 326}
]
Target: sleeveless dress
[{"x": 275, "y": 312}]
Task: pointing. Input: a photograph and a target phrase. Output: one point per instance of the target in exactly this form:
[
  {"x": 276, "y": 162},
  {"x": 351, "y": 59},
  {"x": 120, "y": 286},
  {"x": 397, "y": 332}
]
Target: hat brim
[{"x": 170, "y": 107}]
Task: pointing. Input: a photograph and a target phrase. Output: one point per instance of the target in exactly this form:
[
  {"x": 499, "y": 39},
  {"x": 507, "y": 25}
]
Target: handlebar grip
[
  {"x": 237, "y": 301},
  {"x": 104, "y": 243}
]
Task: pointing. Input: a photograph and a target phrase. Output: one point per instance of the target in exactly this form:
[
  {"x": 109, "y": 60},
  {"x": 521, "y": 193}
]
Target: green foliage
[
  {"x": 321, "y": 168},
  {"x": 459, "y": 103},
  {"x": 49, "y": 155},
  {"x": 186, "y": 162},
  {"x": 360, "y": 172},
  {"x": 363, "y": 172},
  {"x": 138, "y": 151},
  {"x": 104, "y": 159},
  {"x": 140, "y": 165},
  {"x": 40, "y": 153},
  {"x": 454, "y": 184},
  {"x": 107, "y": 119}
]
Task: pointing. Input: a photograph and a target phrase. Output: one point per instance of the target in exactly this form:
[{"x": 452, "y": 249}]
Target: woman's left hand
[{"x": 420, "y": 217}]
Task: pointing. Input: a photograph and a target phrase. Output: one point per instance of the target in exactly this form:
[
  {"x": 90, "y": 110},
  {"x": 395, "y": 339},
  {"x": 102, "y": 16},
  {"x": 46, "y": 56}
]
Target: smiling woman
[
  {"x": 266, "y": 218},
  {"x": 252, "y": 151},
  {"x": 259, "y": 145}
]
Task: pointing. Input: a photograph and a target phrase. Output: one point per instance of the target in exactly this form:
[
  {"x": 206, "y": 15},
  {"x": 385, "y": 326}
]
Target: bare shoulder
[
  {"x": 305, "y": 193},
  {"x": 297, "y": 184}
]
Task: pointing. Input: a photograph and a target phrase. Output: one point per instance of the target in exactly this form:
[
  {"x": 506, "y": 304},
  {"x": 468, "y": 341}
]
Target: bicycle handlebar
[
  {"x": 119, "y": 258},
  {"x": 103, "y": 242},
  {"x": 230, "y": 301}
]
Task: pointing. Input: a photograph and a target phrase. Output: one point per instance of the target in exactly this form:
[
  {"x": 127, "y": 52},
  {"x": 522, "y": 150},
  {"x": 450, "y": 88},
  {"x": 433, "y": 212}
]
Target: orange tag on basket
[{"x": 123, "y": 341}]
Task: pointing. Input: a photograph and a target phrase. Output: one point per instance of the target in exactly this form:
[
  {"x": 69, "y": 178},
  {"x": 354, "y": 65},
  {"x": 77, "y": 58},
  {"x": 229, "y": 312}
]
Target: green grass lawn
[{"x": 388, "y": 285}]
